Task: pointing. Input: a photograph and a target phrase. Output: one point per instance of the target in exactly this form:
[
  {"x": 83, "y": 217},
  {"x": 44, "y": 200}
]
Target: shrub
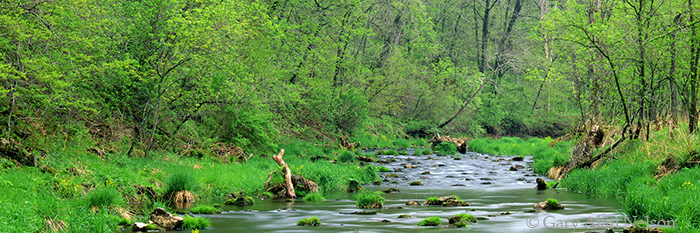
[
  {"x": 431, "y": 221},
  {"x": 203, "y": 209},
  {"x": 446, "y": 148},
  {"x": 367, "y": 199},
  {"x": 195, "y": 223},
  {"x": 104, "y": 196},
  {"x": 314, "y": 197},
  {"x": 312, "y": 221}
]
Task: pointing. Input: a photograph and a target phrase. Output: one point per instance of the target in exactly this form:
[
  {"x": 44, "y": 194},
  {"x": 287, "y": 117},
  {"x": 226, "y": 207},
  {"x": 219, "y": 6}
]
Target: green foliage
[
  {"x": 181, "y": 181},
  {"x": 195, "y": 223},
  {"x": 203, "y": 209},
  {"x": 367, "y": 199},
  {"x": 104, "y": 197},
  {"x": 545, "y": 156},
  {"x": 465, "y": 217},
  {"x": 384, "y": 169},
  {"x": 314, "y": 197},
  {"x": 312, "y": 221},
  {"x": 552, "y": 203},
  {"x": 446, "y": 148},
  {"x": 433, "y": 201},
  {"x": 431, "y": 221},
  {"x": 346, "y": 156},
  {"x": 609, "y": 180}
]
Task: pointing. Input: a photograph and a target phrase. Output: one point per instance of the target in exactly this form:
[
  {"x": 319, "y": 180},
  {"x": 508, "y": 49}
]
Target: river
[{"x": 493, "y": 191}]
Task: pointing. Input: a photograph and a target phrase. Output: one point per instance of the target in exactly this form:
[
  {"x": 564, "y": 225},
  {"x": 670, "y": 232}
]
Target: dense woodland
[{"x": 159, "y": 74}]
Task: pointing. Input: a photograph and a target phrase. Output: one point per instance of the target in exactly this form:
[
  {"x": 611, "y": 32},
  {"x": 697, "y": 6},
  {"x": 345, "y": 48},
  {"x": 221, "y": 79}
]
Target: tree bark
[{"x": 287, "y": 174}]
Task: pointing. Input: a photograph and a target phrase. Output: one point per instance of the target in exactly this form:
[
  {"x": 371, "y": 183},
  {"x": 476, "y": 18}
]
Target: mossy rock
[
  {"x": 243, "y": 201},
  {"x": 405, "y": 216},
  {"x": 312, "y": 221},
  {"x": 415, "y": 183}
]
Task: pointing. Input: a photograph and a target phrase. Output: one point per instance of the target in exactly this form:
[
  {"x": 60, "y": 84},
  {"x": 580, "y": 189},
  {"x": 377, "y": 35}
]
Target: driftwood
[
  {"x": 287, "y": 174},
  {"x": 460, "y": 143}
]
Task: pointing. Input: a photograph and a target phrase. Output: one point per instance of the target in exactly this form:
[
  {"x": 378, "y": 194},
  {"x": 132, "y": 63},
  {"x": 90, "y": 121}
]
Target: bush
[
  {"x": 431, "y": 221},
  {"x": 446, "y": 148},
  {"x": 314, "y": 197},
  {"x": 195, "y": 223},
  {"x": 180, "y": 181},
  {"x": 312, "y": 221},
  {"x": 367, "y": 199},
  {"x": 104, "y": 196},
  {"x": 203, "y": 209}
]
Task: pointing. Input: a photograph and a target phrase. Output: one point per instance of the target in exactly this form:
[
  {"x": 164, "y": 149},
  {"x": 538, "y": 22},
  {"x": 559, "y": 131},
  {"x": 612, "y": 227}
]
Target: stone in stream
[
  {"x": 546, "y": 205},
  {"x": 409, "y": 166},
  {"x": 450, "y": 177},
  {"x": 365, "y": 159},
  {"x": 165, "y": 220},
  {"x": 541, "y": 185},
  {"x": 392, "y": 175},
  {"x": 513, "y": 168},
  {"x": 486, "y": 183},
  {"x": 485, "y": 178},
  {"x": 390, "y": 190},
  {"x": 404, "y": 216},
  {"x": 415, "y": 183},
  {"x": 398, "y": 170},
  {"x": 385, "y": 220},
  {"x": 468, "y": 179},
  {"x": 519, "y": 166},
  {"x": 425, "y": 173},
  {"x": 447, "y": 201},
  {"x": 521, "y": 179},
  {"x": 458, "y": 185},
  {"x": 412, "y": 203},
  {"x": 517, "y": 158}
]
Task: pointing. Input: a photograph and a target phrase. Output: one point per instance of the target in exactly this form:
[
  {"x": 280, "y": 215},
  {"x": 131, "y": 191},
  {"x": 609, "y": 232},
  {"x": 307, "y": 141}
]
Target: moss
[
  {"x": 415, "y": 183},
  {"x": 431, "y": 221},
  {"x": 312, "y": 221}
]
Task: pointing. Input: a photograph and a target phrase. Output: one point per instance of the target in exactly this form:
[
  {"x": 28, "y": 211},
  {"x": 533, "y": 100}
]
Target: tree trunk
[{"x": 287, "y": 174}]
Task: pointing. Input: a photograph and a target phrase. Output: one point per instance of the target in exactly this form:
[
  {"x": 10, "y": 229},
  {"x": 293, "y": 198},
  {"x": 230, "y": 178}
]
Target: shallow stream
[{"x": 486, "y": 182}]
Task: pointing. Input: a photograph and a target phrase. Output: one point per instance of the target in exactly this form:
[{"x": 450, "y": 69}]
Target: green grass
[
  {"x": 346, "y": 156},
  {"x": 314, "y": 197},
  {"x": 180, "y": 181},
  {"x": 433, "y": 200},
  {"x": 367, "y": 199},
  {"x": 312, "y": 221},
  {"x": 104, "y": 197},
  {"x": 384, "y": 169},
  {"x": 446, "y": 148},
  {"x": 203, "y": 209},
  {"x": 195, "y": 223},
  {"x": 545, "y": 156},
  {"x": 431, "y": 221}
]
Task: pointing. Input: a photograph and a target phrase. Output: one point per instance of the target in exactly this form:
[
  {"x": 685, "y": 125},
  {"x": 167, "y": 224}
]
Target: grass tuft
[
  {"x": 431, "y": 221},
  {"x": 195, "y": 223},
  {"x": 203, "y": 209},
  {"x": 312, "y": 221},
  {"x": 314, "y": 197},
  {"x": 367, "y": 199}
]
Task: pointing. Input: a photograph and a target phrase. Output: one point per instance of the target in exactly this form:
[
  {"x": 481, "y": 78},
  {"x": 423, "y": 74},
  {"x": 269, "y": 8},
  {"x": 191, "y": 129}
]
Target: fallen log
[{"x": 287, "y": 174}]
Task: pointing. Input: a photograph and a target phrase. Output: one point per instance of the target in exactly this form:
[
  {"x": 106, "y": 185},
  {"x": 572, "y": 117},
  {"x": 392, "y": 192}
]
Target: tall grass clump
[
  {"x": 193, "y": 223},
  {"x": 446, "y": 148},
  {"x": 367, "y": 199},
  {"x": 180, "y": 181},
  {"x": 203, "y": 209},
  {"x": 103, "y": 197},
  {"x": 346, "y": 156},
  {"x": 314, "y": 197}
]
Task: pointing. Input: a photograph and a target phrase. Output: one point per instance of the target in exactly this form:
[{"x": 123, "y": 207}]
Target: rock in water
[
  {"x": 165, "y": 220},
  {"x": 541, "y": 185}
]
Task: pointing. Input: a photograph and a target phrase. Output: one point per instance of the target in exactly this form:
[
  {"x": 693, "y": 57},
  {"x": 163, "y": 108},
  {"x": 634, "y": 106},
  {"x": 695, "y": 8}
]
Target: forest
[{"x": 146, "y": 78}]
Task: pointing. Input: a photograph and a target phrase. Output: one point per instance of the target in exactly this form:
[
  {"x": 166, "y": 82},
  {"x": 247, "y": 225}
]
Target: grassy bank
[
  {"x": 77, "y": 191},
  {"x": 631, "y": 174},
  {"x": 544, "y": 155}
]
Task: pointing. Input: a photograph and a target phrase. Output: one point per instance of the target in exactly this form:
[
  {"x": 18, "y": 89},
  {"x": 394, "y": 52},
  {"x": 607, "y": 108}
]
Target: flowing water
[{"x": 493, "y": 191}]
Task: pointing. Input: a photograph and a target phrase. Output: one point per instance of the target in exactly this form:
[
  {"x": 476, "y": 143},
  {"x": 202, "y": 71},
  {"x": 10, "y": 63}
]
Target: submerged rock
[
  {"x": 513, "y": 168},
  {"x": 447, "y": 201},
  {"x": 390, "y": 190},
  {"x": 404, "y": 216},
  {"x": 547, "y": 205},
  {"x": 425, "y": 173},
  {"x": 412, "y": 203}
]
